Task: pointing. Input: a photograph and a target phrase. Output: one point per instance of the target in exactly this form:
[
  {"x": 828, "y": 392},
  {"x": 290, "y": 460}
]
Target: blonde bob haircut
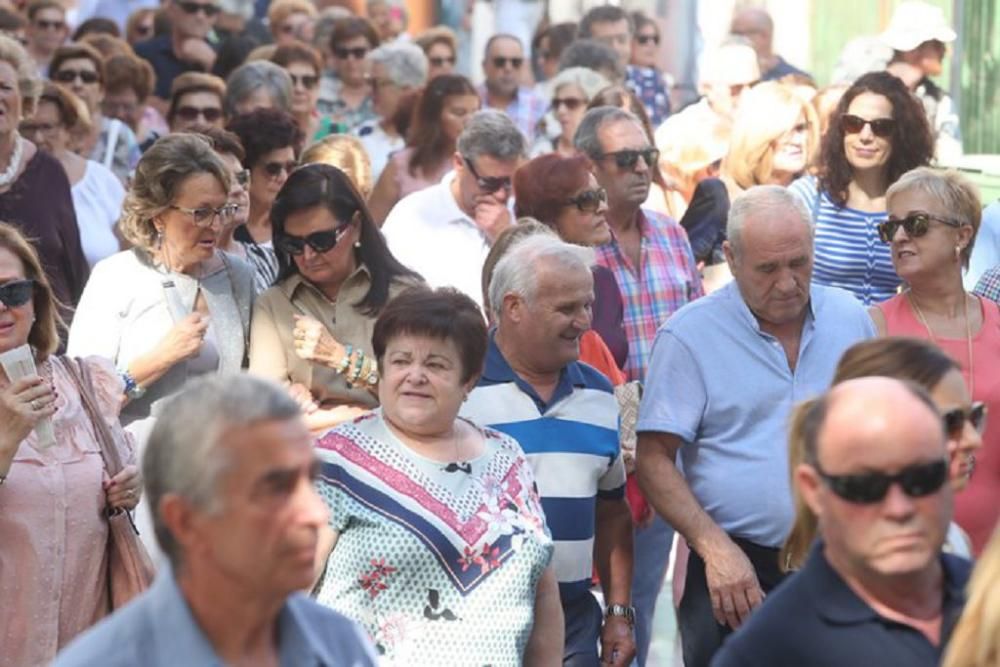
[
  {"x": 158, "y": 178},
  {"x": 282, "y": 9},
  {"x": 346, "y": 153},
  {"x": 28, "y": 83},
  {"x": 44, "y": 334},
  {"x": 766, "y": 112},
  {"x": 975, "y": 642}
]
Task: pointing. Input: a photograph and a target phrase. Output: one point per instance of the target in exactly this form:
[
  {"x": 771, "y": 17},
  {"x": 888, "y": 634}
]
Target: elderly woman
[
  {"x": 879, "y": 133},
  {"x": 933, "y": 219},
  {"x": 97, "y": 193},
  {"x": 347, "y": 154},
  {"x": 402, "y": 482},
  {"x": 570, "y": 92},
  {"x": 336, "y": 270},
  {"x": 129, "y": 81},
  {"x": 257, "y": 85},
  {"x": 440, "y": 46},
  {"x": 291, "y": 20},
  {"x": 346, "y": 96},
  {"x": 396, "y": 72},
  {"x": 196, "y": 99},
  {"x": 173, "y": 306},
  {"x": 26, "y": 171},
  {"x": 53, "y": 495},
  {"x": 304, "y": 66}
]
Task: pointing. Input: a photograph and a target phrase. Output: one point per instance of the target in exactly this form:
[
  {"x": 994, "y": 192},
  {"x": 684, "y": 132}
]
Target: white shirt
[
  {"x": 430, "y": 234},
  {"x": 97, "y": 200},
  {"x": 378, "y": 145}
]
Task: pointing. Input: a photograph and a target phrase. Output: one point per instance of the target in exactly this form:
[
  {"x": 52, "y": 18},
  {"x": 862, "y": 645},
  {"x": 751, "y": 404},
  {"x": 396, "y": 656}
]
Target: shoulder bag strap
[{"x": 77, "y": 370}]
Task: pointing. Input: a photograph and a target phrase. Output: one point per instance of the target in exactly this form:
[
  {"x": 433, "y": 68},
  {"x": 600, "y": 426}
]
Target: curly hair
[
  {"x": 264, "y": 130},
  {"x": 426, "y": 135},
  {"x": 911, "y": 141}
]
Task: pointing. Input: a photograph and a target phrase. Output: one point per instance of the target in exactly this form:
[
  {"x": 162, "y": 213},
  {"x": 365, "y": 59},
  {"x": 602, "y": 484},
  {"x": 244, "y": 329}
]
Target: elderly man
[
  {"x": 876, "y": 589},
  {"x": 46, "y": 32},
  {"x": 394, "y": 70},
  {"x": 755, "y": 24},
  {"x": 503, "y": 66},
  {"x": 445, "y": 231},
  {"x": 229, "y": 472},
  {"x": 185, "y": 48},
  {"x": 724, "y": 374},
  {"x": 564, "y": 415}
]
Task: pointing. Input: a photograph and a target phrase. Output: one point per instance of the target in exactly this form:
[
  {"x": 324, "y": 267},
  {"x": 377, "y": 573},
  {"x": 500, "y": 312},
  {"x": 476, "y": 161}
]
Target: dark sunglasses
[
  {"x": 646, "y": 39},
  {"x": 571, "y": 103},
  {"x": 500, "y": 62},
  {"x": 357, "y": 53},
  {"x": 274, "y": 169},
  {"x": 42, "y": 24},
  {"x": 71, "y": 75},
  {"x": 309, "y": 81},
  {"x": 881, "y": 127},
  {"x": 320, "y": 242},
  {"x": 195, "y": 7},
  {"x": 589, "y": 201},
  {"x": 441, "y": 61},
  {"x": 915, "y": 225},
  {"x": 17, "y": 293},
  {"x": 954, "y": 420},
  {"x": 627, "y": 159},
  {"x": 917, "y": 481},
  {"x": 488, "y": 184},
  {"x": 190, "y": 114}
]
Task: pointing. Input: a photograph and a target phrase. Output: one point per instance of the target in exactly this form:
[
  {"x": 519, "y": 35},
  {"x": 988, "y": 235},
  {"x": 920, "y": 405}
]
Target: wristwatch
[{"x": 628, "y": 613}]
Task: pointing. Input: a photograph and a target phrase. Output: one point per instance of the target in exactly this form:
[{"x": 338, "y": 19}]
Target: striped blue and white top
[
  {"x": 849, "y": 253},
  {"x": 572, "y": 444}
]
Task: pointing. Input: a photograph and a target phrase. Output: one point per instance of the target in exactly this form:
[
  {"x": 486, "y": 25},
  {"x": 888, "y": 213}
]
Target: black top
[
  {"x": 782, "y": 68},
  {"x": 815, "y": 619},
  {"x": 159, "y": 51},
  {"x": 609, "y": 313}
]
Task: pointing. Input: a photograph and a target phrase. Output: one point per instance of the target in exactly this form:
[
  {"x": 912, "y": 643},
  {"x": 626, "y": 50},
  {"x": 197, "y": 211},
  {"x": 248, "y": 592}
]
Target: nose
[
  {"x": 971, "y": 438},
  {"x": 897, "y": 505},
  {"x": 866, "y": 133},
  {"x": 311, "y": 508}
]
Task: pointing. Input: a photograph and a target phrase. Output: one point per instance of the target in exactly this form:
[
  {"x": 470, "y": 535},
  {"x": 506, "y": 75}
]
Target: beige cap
[
  {"x": 731, "y": 64},
  {"x": 914, "y": 23}
]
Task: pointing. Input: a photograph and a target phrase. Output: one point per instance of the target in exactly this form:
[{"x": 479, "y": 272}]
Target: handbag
[{"x": 130, "y": 569}]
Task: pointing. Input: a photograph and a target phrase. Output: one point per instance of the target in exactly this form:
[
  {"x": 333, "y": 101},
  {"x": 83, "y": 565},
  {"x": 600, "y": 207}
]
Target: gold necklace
[{"x": 930, "y": 332}]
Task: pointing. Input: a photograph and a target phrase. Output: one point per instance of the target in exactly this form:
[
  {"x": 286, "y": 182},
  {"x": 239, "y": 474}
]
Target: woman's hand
[
  {"x": 301, "y": 395},
  {"x": 184, "y": 339},
  {"x": 314, "y": 342},
  {"x": 124, "y": 489},
  {"x": 23, "y": 404}
]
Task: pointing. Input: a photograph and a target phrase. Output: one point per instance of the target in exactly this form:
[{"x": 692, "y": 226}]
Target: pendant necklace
[{"x": 968, "y": 332}]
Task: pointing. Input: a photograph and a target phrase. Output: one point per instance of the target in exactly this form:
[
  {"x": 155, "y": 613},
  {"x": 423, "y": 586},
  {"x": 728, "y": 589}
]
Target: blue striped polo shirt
[
  {"x": 572, "y": 444},
  {"x": 849, "y": 253}
]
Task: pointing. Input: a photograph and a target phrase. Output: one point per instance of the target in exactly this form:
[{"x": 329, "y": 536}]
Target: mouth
[
  {"x": 905, "y": 252},
  {"x": 207, "y": 243},
  {"x": 6, "y": 327},
  {"x": 866, "y": 153}
]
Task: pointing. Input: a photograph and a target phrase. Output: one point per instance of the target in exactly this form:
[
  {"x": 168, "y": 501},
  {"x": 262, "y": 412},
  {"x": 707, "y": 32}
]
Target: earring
[
  {"x": 958, "y": 251},
  {"x": 357, "y": 244}
]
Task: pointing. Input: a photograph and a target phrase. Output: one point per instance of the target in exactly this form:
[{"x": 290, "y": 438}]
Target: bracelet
[
  {"x": 371, "y": 377},
  {"x": 132, "y": 388},
  {"x": 358, "y": 363},
  {"x": 346, "y": 361}
]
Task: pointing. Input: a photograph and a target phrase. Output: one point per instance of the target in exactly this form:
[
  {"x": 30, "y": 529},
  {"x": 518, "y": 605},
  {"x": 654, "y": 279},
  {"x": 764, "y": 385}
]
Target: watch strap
[{"x": 628, "y": 613}]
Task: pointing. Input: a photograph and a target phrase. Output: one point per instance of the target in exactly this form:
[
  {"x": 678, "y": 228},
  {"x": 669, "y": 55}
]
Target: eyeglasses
[
  {"x": 647, "y": 39},
  {"x": 441, "y": 61},
  {"x": 589, "y": 201},
  {"x": 71, "y": 75},
  {"x": 308, "y": 81},
  {"x": 627, "y": 159},
  {"x": 142, "y": 30},
  {"x": 915, "y": 225},
  {"x": 500, "y": 62},
  {"x": 195, "y": 7},
  {"x": 377, "y": 83},
  {"x": 17, "y": 293},
  {"x": 320, "y": 242},
  {"x": 191, "y": 114},
  {"x": 357, "y": 53},
  {"x": 204, "y": 216},
  {"x": 115, "y": 109},
  {"x": 30, "y": 128},
  {"x": 571, "y": 103},
  {"x": 274, "y": 169},
  {"x": 954, "y": 420},
  {"x": 488, "y": 184},
  {"x": 243, "y": 178},
  {"x": 917, "y": 481},
  {"x": 42, "y": 24},
  {"x": 881, "y": 127}
]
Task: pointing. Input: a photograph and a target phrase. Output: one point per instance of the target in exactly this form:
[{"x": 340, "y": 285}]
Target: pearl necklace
[
  {"x": 8, "y": 174},
  {"x": 968, "y": 332}
]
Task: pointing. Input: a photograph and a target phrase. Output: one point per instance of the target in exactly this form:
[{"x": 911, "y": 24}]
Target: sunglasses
[
  {"x": 589, "y": 201},
  {"x": 647, "y": 39},
  {"x": 71, "y": 75},
  {"x": 191, "y": 114},
  {"x": 441, "y": 61},
  {"x": 500, "y": 62},
  {"x": 627, "y": 159},
  {"x": 42, "y": 24},
  {"x": 17, "y": 293},
  {"x": 204, "y": 216},
  {"x": 309, "y": 81},
  {"x": 274, "y": 169},
  {"x": 194, "y": 8},
  {"x": 571, "y": 103},
  {"x": 881, "y": 127},
  {"x": 357, "y": 53},
  {"x": 320, "y": 242},
  {"x": 488, "y": 184},
  {"x": 954, "y": 420},
  {"x": 915, "y": 225},
  {"x": 917, "y": 481}
]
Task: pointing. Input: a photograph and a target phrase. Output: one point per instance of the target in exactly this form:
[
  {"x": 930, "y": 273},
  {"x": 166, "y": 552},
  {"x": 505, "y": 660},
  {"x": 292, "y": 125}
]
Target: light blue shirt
[
  {"x": 986, "y": 251},
  {"x": 725, "y": 388},
  {"x": 157, "y": 629}
]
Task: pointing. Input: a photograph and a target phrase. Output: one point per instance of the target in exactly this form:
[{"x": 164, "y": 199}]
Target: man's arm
[{"x": 613, "y": 558}]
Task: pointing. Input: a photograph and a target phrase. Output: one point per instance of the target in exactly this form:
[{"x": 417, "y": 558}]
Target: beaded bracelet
[
  {"x": 346, "y": 361},
  {"x": 132, "y": 388},
  {"x": 358, "y": 362}
]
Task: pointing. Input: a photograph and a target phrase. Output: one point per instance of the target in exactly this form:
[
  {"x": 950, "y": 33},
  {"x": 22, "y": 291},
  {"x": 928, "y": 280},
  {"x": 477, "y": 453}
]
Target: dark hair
[
  {"x": 602, "y": 14},
  {"x": 912, "y": 142},
  {"x": 297, "y": 52},
  {"x": 107, "y": 45},
  {"x": 232, "y": 53},
  {"x": 622, "y": 97},
  {"x": 11, "y": 21},
  {"x": 129, "y": 73},
  {"x": 426, "y": 136},
  {"x": 323, "y": 185},
  {"x": 193, "y": 82},
  {"x": 223, "y": 141},
  {"x": 912, "y": 359},
  {"x": 560, "y": 35},
  {"x": 350, "y": 27},
  {"x": 44, "y": 333},
  {"x": 542, "y": 185},
  {"x": 442, "y": 314},
  {"x": 264, "y": 130},
  {"x": 38, "y": 5},
  {"x": 640, "y": 20},
  {"x": 63, "y": 100},
  {"x": 96, "y": 25},
  {"x": 594, "y": 55},
  {"x": 75, "y": 51}
]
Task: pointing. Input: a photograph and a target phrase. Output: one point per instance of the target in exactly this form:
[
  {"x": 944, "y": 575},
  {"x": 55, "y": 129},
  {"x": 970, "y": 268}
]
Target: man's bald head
[{"x": 755, "y": 24}]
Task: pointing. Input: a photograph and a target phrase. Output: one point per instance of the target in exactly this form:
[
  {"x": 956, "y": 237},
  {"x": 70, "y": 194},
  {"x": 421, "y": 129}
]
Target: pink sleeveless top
[
  {"x": 977, "y": 507},
  {"x": 407, "y": 182}
]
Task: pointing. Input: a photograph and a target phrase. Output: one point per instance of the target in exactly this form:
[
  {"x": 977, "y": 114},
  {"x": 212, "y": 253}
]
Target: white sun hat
[{"x": 914, "y": 23}]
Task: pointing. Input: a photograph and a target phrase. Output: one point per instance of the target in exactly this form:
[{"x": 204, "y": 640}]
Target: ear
[
  {"x": 965, "y": 235},
  {"x": 808, "y": 483},
  {"x": 513, "y": 307},
  {"x": 458, "y": 162},
  {"x": 727, "y": 249},
  {"x": 182, "y": 522}
]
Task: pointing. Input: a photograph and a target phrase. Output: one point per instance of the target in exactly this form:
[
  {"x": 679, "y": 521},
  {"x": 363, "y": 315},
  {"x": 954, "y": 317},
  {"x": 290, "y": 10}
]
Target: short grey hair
[
  {"x": 763, "y": 200},
  {"x": 247, "y": 78},
  {"x": 405, "y": 63},
  {"x": 185, "y": 456},
  {"x": 594, "y": 55},
  {"x": 586, "y": 140},
  {"x": 586, "y": 79},
  {"x": 516, "y": 272},
  {"x": 491, "y": 133}
]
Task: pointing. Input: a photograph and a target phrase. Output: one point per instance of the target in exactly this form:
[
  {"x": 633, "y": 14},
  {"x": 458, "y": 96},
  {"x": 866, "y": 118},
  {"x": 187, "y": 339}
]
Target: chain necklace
[
  {"x": 968, "y": 332},
  {"x": 8, "y": 174}
]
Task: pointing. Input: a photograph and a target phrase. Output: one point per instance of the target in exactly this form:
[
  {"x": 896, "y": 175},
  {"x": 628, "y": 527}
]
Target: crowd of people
[{"x": 383, "y": 365}]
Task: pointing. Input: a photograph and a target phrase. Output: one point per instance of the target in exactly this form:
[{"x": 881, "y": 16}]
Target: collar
[
  {"x": 447, "y": 209},
  {"x": 815, "y": 305},
  {"x": 497, "y": 370},
  {"x": 483, "y": 92},
  {"x": 294, "y": 282}
]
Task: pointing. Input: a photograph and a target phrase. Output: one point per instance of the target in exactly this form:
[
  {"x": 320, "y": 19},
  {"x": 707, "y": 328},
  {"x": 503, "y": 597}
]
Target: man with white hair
[
  {"x": 725, "y": 372},
  {"x": 565, "y": 416},
  {"x": 229, "y": 471}
]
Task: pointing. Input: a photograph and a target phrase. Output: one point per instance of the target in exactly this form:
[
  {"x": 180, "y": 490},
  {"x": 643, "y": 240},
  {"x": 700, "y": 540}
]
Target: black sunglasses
[
  {"x": 488, "y": 184},
  {"x": 195, "y": 7},
  {"x": 571, "y": 103},
  {"x": 589, "y": 201},
  {"x": 627, "y": 159},
  {"x": 358, "y": 53},
  {"x": 917, "y": 481},
  {"x": 915, "y": 225},
  {"x": 71, "y": 75},
  {"x": 17, "y": 293},
  {"x": 441, "y": 61},
  {"x": 274, "y": 169},
  {"x": 42, "y": 24},
  {"x": 954, "y": 420},
  {"x": 646, "y": 39},
  {"x": 881, "y": 127},
  {"x": 189, "y": 114},
  {"x": 500, "y": 62},
  {"x": 307, "y": 80},
  {"x": 320, "y": 242}
]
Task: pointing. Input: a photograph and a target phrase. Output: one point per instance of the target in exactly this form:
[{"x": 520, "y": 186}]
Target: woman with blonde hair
[
  {"x": 346, "y": 153},
  {"x": 975, "y": 641}
]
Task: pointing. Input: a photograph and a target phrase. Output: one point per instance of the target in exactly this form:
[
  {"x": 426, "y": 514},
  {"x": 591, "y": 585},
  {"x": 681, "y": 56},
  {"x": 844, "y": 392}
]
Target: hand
[
  {"x": 492, "y": 216},
  {"x": 124, "y": 489},
  {"x": 197, "y": 52},
  {"x": 23, "y": 404},
  {"x": 617, "y": 642},
  {"x": 301, "y": 395},
  {"x": 314, "y": 342},
  {"x": 732, "y": 584},
  {"x": 184, "y": 339}
]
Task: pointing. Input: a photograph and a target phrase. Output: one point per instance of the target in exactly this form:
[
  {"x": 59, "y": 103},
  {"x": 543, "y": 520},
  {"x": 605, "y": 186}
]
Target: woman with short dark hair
[{"x": 344, "y": 94}]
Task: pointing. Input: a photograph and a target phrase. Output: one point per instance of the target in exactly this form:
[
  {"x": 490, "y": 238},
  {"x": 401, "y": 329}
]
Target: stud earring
[
  {"x": 958, "y": 251},
  {"x": 357, "y": 244}
]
